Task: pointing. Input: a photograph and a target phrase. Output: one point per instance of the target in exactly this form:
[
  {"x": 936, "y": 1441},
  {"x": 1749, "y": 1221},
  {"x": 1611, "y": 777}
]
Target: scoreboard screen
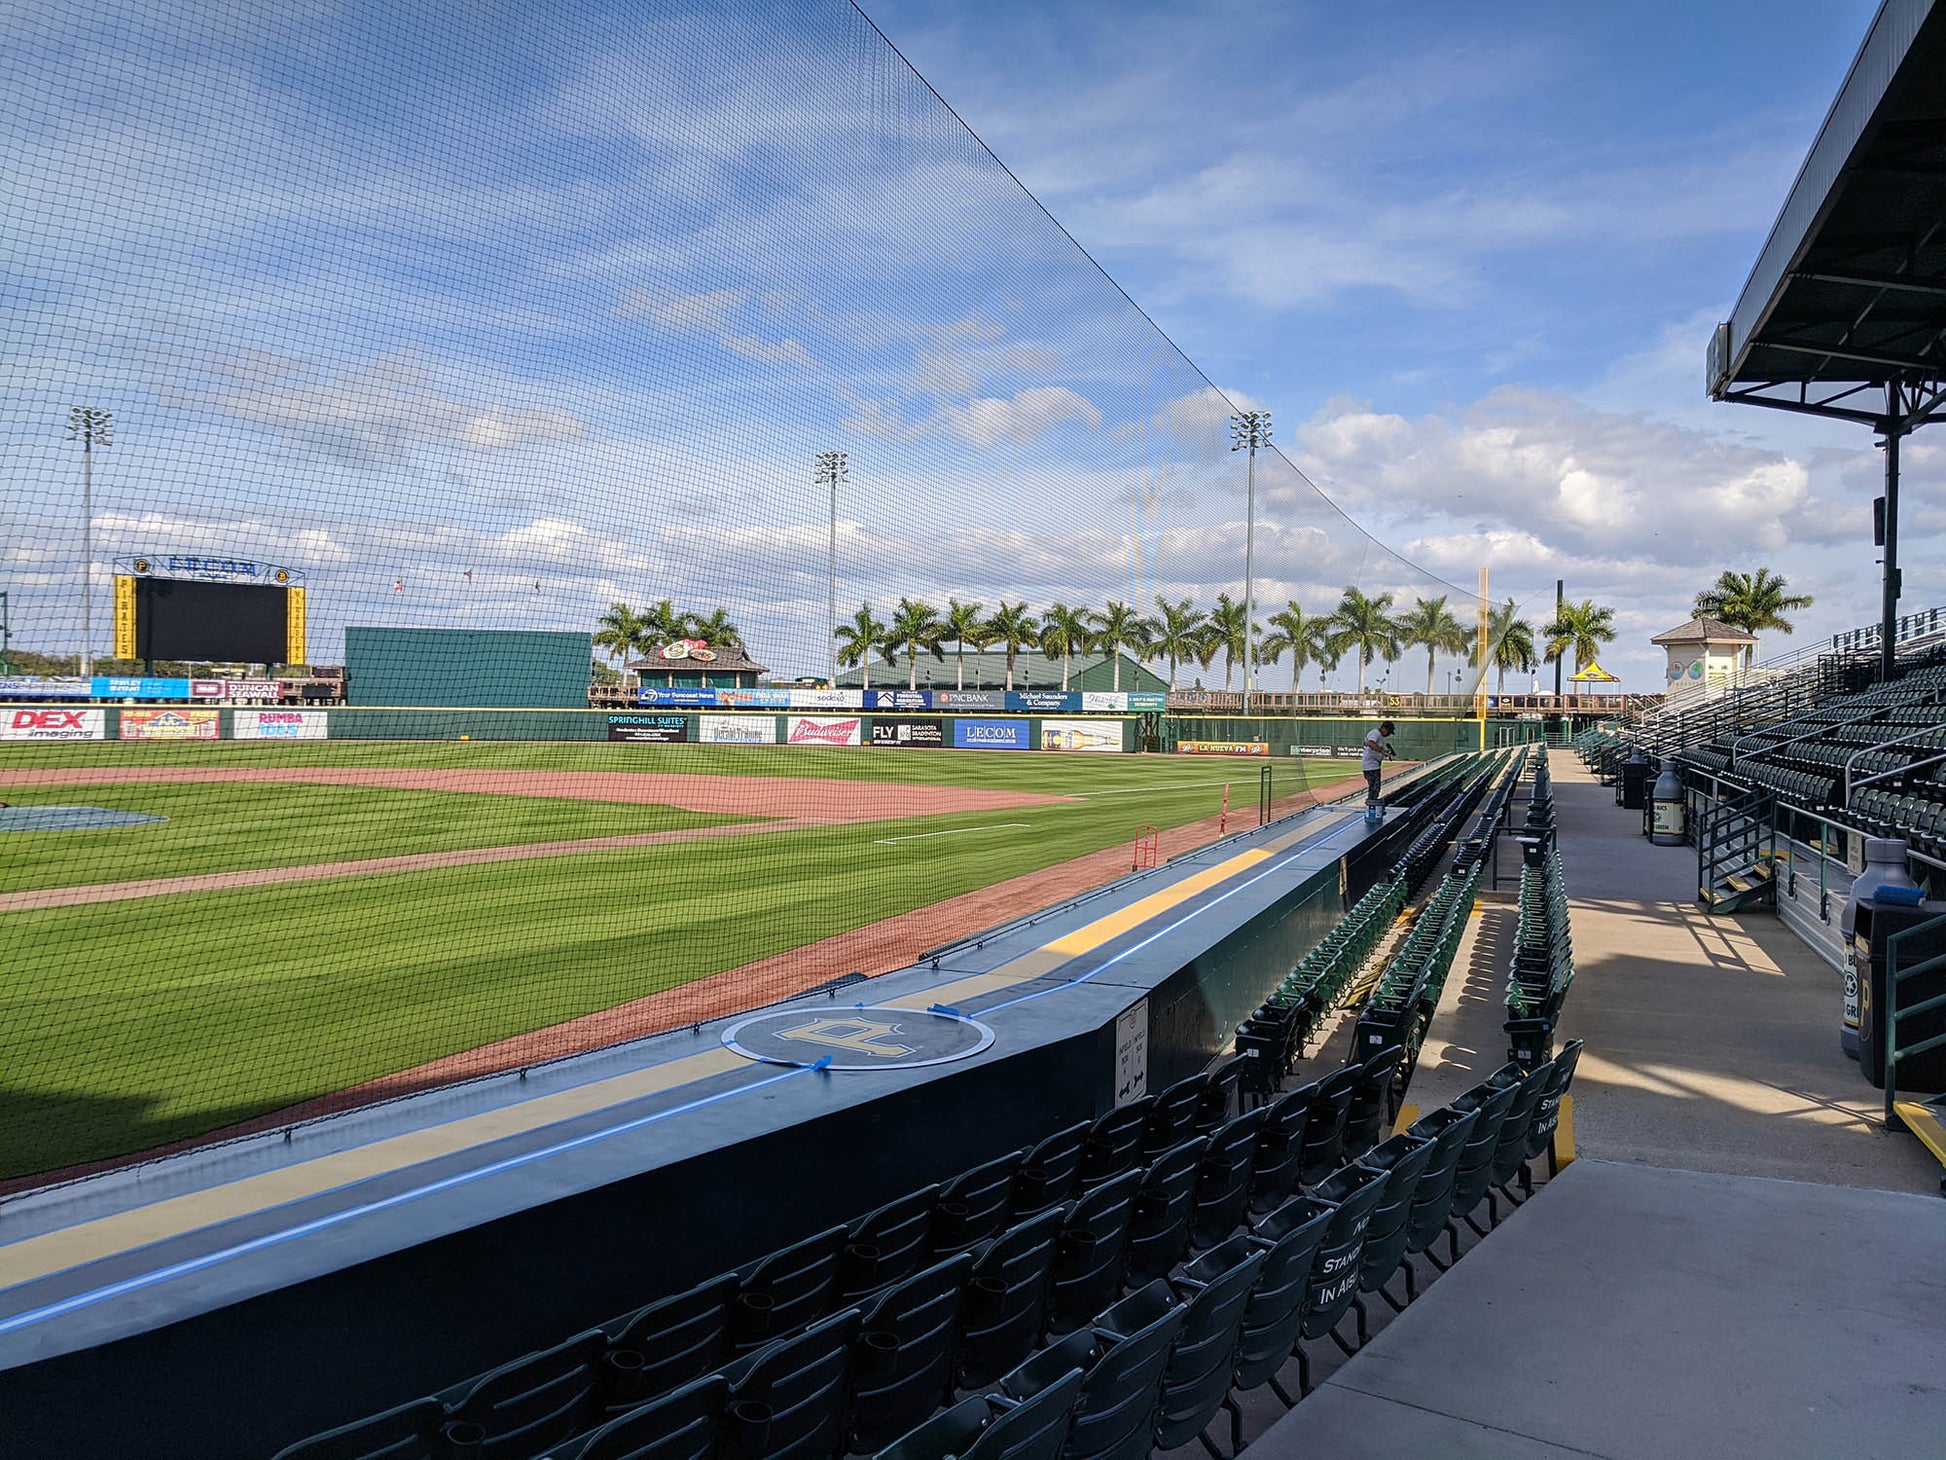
[{"x": 229, "y": 623}]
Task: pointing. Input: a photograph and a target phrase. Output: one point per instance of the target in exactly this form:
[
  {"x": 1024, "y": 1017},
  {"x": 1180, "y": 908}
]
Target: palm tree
[
  {"x": 1180, "y": 633},
  {"x": 663, "y": 624},
  {"x": 1510, "y": 642},
  {"x": 717, "y": 631},
  {"x": 1583, "y": 627},
  {"x": 916, "y": 629},
  {"x": 1431, "y": 623},
  {"x": 1751, "y": 602},
  {"x": 963, "y": 625},
  {"x": 1118, "y": 627},
  {"x": 1013, "y": 627},
  {"x": 858, "y": 640},
  {"x": 1302, "y": 634},
  {"x": 1226, "y": 634},
  {"x": 1064, "y": 631},
  {"x": 619, "y": 633},
  {"x": 1364, "y": 624}
]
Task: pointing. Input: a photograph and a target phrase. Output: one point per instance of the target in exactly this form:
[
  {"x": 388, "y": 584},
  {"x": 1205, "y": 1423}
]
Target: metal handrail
[
  {"x": 1736, "y": 750},
  {"x": 1894, "y": 976},
  {"x": 1852, "y": 759}
]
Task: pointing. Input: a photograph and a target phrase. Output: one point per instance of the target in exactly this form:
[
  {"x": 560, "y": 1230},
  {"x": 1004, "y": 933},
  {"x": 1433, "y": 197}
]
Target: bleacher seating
[{"x": 1104, "y": 1293}]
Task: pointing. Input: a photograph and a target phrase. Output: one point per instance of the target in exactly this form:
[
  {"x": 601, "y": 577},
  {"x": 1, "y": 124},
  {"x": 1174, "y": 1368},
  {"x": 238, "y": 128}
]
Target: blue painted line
[
  {"x": 365, "y": 1209},
  {"x": 1186, "y": 918}
]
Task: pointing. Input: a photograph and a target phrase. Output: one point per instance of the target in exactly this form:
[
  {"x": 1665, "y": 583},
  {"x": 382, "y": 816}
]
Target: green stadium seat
[
  {"x": 800, "y": 1385},
  {"x": 1122, "y": 1365},
  {"x": 1474, "y": 1172},
  {"x": 1050, "y": 1174},
  {"x": 1547, "y": 1113},
  {"x": 1006, "y": 1299},
  {"x": 1215, "y": 1290},
  {"x": 997, "y": 1427},
  {"x": 887, "y": 1245},
  {"x": 1324, "y": 1133},
  {"x": 1280, "y": 1148},
  {"x": 1510, "y": 1151},
  {"x": 1222, "y": 1094},
  {"x": 1372, "y": 1104},
  {"x": 1174, "y": 1114},
  {"x": 1289, "y": 1239},
  {"x": 409, "y": 1432},
  {"x": 908, "y": 1342},
  {"x": 787, "y": 1290},
  {"x": 1403, "y": 1159},
  {"x": 1223, "y": 1181},
  {"x": 974, "y": 1207},
  {"x": 1115, "y": 1143},
  {"x": 667, "y": 1344},
  {"x": 683, "y": 1425},
  {"x": 534, "y": 1402},
  {"x": 1092, "y": 1253},
  {"x": 1158, "y": 1228},
  {"x": 1355, "y": 1191}
]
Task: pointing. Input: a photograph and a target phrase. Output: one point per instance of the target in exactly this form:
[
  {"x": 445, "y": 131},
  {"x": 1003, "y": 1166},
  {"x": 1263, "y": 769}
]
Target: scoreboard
[{"x": 204, "y": 621}]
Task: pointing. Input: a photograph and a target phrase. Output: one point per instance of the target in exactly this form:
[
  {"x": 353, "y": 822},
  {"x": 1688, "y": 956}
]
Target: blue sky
[{"x": 493, "y": 316}]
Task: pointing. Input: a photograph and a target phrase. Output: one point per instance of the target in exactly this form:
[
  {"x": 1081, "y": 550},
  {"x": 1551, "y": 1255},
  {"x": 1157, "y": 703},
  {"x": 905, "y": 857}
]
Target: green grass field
[{"x": 124, "y": 1024}]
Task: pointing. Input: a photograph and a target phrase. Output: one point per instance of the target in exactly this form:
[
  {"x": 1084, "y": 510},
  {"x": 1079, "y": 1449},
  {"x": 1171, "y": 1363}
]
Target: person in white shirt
[{"x": 1378, "y": 750}]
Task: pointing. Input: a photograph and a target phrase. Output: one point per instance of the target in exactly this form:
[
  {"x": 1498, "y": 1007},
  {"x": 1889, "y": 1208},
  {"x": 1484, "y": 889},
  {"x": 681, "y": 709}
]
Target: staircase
[{"x": 1736, "y": 854}]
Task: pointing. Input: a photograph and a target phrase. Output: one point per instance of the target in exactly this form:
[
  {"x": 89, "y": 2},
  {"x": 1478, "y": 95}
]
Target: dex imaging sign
[{"x": 43, "y": 724}]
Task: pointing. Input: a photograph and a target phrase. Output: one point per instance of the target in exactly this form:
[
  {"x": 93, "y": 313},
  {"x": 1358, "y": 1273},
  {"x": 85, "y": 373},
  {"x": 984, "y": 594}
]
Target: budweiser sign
[{"x": 810, "y": 730}]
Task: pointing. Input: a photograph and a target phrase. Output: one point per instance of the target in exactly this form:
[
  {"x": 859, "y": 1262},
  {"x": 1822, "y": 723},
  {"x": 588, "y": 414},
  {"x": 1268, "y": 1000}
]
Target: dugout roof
[{"x": 1844, "y": 314}]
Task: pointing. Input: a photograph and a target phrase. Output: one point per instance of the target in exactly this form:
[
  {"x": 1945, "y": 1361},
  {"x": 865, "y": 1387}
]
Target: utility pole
[
  {"x": 831, "y": 471},
  {"x": 1248, "y": 431},
  {"x": 1560, "y": 602},
  {"x": 6, "y": 634},
  {"x": 92, "y": 427}
]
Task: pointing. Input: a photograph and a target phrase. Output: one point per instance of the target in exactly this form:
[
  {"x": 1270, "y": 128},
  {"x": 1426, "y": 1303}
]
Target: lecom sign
[
  {"x": 814, "y": 730},
  {"x": 53, "y": 725}
]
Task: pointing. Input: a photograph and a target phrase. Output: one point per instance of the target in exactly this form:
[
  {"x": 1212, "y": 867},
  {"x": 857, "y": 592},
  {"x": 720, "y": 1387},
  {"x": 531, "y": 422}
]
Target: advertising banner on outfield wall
[
  {"x": 814, "y": 730},
  {"x": 34, "y": 687},
  {"x": 685, "y": 698},
  {"x": 1103, "y": 702},
  {"x": 909, "y": 731},
  {"x": 898, "y": 699},
  {"x": 1095, "y": 735},
  {"x": 1044, "y": 702},
  {"x": 172, "y": 724},
  {"x": 1148, "y": 700},
  {"x": 280, "y": 725},
  {"x": 236, "y": 689},
  {"x": 992, "y": 735},
  {"x": 649, "y": 729},
  {"x": 754, "y": 699},
  {"x": 53, "y": 724},
  {"x": 969, "y": 699},
  {"x": 1222, "y": 747},
  {"x": 737, "y": 729},
  {"x": 132, "y": 687},
  {"x": 827, "y": 699}
]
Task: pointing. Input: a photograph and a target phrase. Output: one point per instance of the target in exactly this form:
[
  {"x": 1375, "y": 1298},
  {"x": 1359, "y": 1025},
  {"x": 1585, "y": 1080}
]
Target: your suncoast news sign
[{"x": 50, "y": 724}]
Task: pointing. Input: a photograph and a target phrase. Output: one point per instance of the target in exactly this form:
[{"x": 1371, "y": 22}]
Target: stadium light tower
[
  {"x": 831, "y": 472},
  {"x": 92, "y": 427},
  {"x": 1248, "y": 431}
]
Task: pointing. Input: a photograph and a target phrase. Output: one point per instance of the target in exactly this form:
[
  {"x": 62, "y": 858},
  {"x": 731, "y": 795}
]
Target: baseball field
[{"x": 308, "y": 919}]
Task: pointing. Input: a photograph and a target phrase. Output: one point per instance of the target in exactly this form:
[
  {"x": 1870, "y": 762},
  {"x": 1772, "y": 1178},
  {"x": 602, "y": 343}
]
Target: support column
[{"x": 1889, "y": 613}]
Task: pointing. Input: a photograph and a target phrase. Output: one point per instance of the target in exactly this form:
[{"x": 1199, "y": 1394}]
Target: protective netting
[{"x": 489, "y": 358}]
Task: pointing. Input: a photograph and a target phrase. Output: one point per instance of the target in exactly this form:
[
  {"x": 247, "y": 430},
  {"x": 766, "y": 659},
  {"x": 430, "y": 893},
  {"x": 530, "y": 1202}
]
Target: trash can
[
  {"x": 1667, "y": 809},
  {"x": 1632, "y": 786},
  {"x": 1884, "y": 867}
]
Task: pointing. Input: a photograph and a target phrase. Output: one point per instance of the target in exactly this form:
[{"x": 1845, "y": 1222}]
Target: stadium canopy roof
[{"x": 1844, "y": 314}]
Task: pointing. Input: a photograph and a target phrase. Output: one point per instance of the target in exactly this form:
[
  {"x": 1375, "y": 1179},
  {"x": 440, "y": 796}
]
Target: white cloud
[
  {"x": 709, "y": 314},
  {"x": 1022, "y": 419}
]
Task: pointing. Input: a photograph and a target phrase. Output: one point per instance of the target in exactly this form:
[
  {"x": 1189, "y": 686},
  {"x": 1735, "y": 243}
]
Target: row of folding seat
[
  {"x": 1542, "y": 966},
  {"x": 1153, "y": 1149},
  {"x": 1894, "y": 813},
  {"x": 1154, "y": 1369},
  {"x": 1400, "y": 1007}
]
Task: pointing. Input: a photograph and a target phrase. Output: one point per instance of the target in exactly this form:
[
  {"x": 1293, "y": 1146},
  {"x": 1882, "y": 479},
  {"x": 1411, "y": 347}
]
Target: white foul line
[{"x": 917, "y": 836}]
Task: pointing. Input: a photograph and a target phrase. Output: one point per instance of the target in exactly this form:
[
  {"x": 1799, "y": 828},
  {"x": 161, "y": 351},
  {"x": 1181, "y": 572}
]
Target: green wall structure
[
  {"x": 467, "y": 668},
  {"x": 1287, "y": 736}
]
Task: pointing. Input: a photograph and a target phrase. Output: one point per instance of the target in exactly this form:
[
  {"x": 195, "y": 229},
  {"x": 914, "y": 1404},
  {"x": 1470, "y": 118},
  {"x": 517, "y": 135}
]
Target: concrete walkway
[{"x": 1637, "y": 1314}]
